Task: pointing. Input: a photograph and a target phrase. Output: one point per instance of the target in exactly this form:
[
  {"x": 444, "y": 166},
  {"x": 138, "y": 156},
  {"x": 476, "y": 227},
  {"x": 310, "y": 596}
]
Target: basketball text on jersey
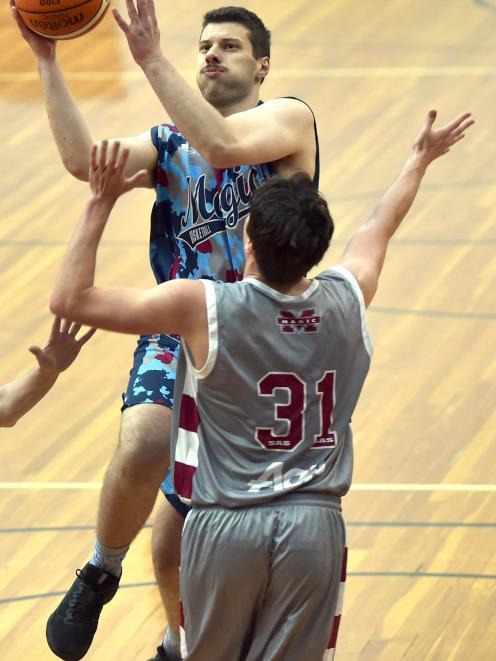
[{"x": 230, "y": 203}]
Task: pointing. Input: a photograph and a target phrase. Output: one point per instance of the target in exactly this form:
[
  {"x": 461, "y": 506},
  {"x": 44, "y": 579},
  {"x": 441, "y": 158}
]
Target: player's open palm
[
  {"x": 42, "y": 47},
  {"x": 62, "y": 346},
  {"x": 432, "y": 143},
  {"x": 107, "y": 171}
]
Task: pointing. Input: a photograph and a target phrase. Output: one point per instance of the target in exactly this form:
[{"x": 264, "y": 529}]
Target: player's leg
[
  {"x": 225, "y": 557},
  {"x": 129, "y": 491},
  {"x": 166, "y": 552},
  {"x": 303, "y": 593}
]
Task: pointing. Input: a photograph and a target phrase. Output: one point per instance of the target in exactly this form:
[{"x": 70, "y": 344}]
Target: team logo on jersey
[
  {"x": 211, "y": 212},
  {"x": 306, "y": 322}
]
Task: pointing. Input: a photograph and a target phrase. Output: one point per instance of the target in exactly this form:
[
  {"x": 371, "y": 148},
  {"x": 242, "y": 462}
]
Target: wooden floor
[{"x": 422, "y": 513}]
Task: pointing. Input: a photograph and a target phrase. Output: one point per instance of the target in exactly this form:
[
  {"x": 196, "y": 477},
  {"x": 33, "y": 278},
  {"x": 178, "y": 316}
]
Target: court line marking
[
  {"x": 363, "y": 574},
  {"x": 349, "y": 524},
  {"x": 434, "y": 313},
  {"x": 321, "y": 72},
  {"x": 363, "y": 486}
]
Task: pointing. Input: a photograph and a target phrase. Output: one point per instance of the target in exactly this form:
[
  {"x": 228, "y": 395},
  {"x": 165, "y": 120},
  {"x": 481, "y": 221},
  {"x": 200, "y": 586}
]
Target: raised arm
[
  {"x": 275, "y": 130},
  {"x": 67, "y": 124},
  {"x": 364, "y": 256},
  {"x": 172, "y": 307},
  {"x": 59, "y": 352}
]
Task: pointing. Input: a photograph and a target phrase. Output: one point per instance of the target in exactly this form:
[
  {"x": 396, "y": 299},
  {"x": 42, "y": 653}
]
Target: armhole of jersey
[
  {"x": 316, "y": 176},
  {"x": 349, "y": 277},
  {"x": 154, "y": 136},
  {"x": 213, "y": 334}
]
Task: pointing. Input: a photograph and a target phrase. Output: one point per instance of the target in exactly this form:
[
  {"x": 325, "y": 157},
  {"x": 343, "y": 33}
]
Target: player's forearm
[
  {"x": 77, "y": 271},
  {"x": 397, "y": 200},
  {"x": 202, "y": 125},
  {"x": 66, "y": 122},
  {"x": 19, "y": 396}
]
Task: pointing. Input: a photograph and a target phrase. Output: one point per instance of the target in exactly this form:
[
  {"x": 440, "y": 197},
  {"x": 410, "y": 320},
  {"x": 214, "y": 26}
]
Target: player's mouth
[{"x": 213, "y": 71}]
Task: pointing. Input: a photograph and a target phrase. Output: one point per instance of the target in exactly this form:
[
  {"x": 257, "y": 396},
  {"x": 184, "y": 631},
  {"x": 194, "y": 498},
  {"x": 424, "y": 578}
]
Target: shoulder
[{"x": 340, "y": 277}]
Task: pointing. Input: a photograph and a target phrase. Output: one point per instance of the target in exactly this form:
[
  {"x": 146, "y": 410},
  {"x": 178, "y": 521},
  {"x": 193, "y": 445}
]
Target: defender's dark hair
[
  {"x": 290, "y": 228},
  {"x": 259, "y": 35}
]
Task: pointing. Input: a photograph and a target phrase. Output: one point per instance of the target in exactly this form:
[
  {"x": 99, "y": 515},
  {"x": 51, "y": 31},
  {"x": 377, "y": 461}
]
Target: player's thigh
[
  {"x": 225, "y": 558},
  {"x": 303, "y": 591}
]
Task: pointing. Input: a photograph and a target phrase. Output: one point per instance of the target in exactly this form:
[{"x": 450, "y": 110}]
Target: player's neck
[{"x": 246, "y": 103}]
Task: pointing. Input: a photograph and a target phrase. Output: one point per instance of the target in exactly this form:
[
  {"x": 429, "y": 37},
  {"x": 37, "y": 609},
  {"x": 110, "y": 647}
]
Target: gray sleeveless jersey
[{"x": 269, "y": 413}]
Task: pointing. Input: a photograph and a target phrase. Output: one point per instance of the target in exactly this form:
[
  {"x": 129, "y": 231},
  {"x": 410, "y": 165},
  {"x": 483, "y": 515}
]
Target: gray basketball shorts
[{"x": 262, "y": 583}]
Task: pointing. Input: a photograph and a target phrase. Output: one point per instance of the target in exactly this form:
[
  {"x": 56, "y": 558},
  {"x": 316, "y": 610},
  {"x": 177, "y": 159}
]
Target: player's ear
[{"x": 263, "y": 69}]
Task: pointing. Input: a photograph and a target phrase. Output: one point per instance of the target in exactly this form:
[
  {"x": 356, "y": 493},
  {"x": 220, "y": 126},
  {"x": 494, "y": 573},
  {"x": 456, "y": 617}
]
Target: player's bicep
[{"x": 269, "y": 132}]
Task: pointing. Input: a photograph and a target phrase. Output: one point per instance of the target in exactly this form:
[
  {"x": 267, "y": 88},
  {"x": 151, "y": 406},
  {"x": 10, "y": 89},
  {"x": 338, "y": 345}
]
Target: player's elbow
[
  {"x": 61, "y": 306},
  {"x": 222, "y": 154},
  {"x": 78, "y": 168}
]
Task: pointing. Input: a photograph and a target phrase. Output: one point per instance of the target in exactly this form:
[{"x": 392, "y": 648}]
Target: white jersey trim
[
  {"x": 279, "y": 295},
  {"x": 349, "y": 277},
  {"x": 213, "y": 334}
]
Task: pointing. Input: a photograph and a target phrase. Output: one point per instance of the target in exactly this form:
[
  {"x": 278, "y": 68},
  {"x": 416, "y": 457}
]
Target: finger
[
  {"x": 93, "y": 161},
  {"x": 36, "y": 351},
  {"x": 55, "y": 329},
  {"x": 430, "y": 119},
  {"x": 121, "y": 165},
  {"x": 114, "y": 155},
  {"x": 131, "y": 9},
  {"x": 84, "y": 338},
  {"x": 56, "y": 325},
  {"x": 456, "y": 122},
  {"x": 136, "y": 179},
  {"x": 66, "y": 325},
  {"x": 74, "y": 329},
  {"x": 102, "y": 161},
  {"x": 120, "y": 21},
  {"x": 467, "y": 124}
]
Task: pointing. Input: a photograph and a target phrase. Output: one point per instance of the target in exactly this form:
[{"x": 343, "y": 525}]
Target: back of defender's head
[
  {"x": 259, "y": 35},
  {"x": 290, "y": 228}
]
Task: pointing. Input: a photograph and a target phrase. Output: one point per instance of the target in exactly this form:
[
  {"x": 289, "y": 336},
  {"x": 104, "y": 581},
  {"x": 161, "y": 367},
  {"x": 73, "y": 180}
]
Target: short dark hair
[
  {"x": 259, "y": 35},
  {"x": 290, "y": 228}
]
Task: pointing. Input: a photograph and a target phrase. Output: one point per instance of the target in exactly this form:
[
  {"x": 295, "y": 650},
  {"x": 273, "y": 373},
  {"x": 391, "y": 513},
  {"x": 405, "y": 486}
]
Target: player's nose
[{"x": 213, "y": 54}]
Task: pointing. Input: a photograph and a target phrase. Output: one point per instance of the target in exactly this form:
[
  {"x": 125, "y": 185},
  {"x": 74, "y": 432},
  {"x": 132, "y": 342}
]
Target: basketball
[{"x": 61, "y": 19}]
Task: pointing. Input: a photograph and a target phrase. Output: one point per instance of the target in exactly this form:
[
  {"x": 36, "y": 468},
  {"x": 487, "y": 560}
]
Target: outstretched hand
[
  {"x": 42, "y": 47},
  {"x": 432, "y": 143},
  {"x": 62, "y": 346},
  {"x": 107, "y": 171},
  {"x": 142, "y": 33}
]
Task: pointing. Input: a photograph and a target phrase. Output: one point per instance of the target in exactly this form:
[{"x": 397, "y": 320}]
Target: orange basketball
[{"x": 61, "y": 19}]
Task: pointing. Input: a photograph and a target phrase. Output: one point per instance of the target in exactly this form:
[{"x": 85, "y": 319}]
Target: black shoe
[
  {"x": 162, "y": 655},
  {"x": 71, "y": 627}
]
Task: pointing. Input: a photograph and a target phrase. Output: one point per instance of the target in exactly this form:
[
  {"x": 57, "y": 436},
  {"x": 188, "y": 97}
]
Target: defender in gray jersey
[{"x": 271, "y": 372}]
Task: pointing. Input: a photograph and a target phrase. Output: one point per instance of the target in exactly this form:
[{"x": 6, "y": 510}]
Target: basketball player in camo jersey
[
  {"x": 60, "y": 351},
  {"x": 266, "y": 460},
  {"x": 222, "y": 145}
]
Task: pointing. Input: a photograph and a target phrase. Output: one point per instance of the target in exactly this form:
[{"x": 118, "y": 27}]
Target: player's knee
[
  {"x": 144, "y": 442},
  {"x": 166, "y": 554}
]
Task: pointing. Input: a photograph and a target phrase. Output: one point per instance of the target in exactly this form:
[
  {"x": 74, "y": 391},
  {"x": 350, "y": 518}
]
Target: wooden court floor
[{"x": 422, "y": 512}]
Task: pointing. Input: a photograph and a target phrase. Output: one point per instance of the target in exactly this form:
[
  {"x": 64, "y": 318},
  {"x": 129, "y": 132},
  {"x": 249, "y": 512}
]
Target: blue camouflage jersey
[{"x": 197, "y": 219}]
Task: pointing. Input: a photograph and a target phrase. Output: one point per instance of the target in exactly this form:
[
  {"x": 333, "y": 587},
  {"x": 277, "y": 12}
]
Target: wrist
[{"x": 154, "y": 63}]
